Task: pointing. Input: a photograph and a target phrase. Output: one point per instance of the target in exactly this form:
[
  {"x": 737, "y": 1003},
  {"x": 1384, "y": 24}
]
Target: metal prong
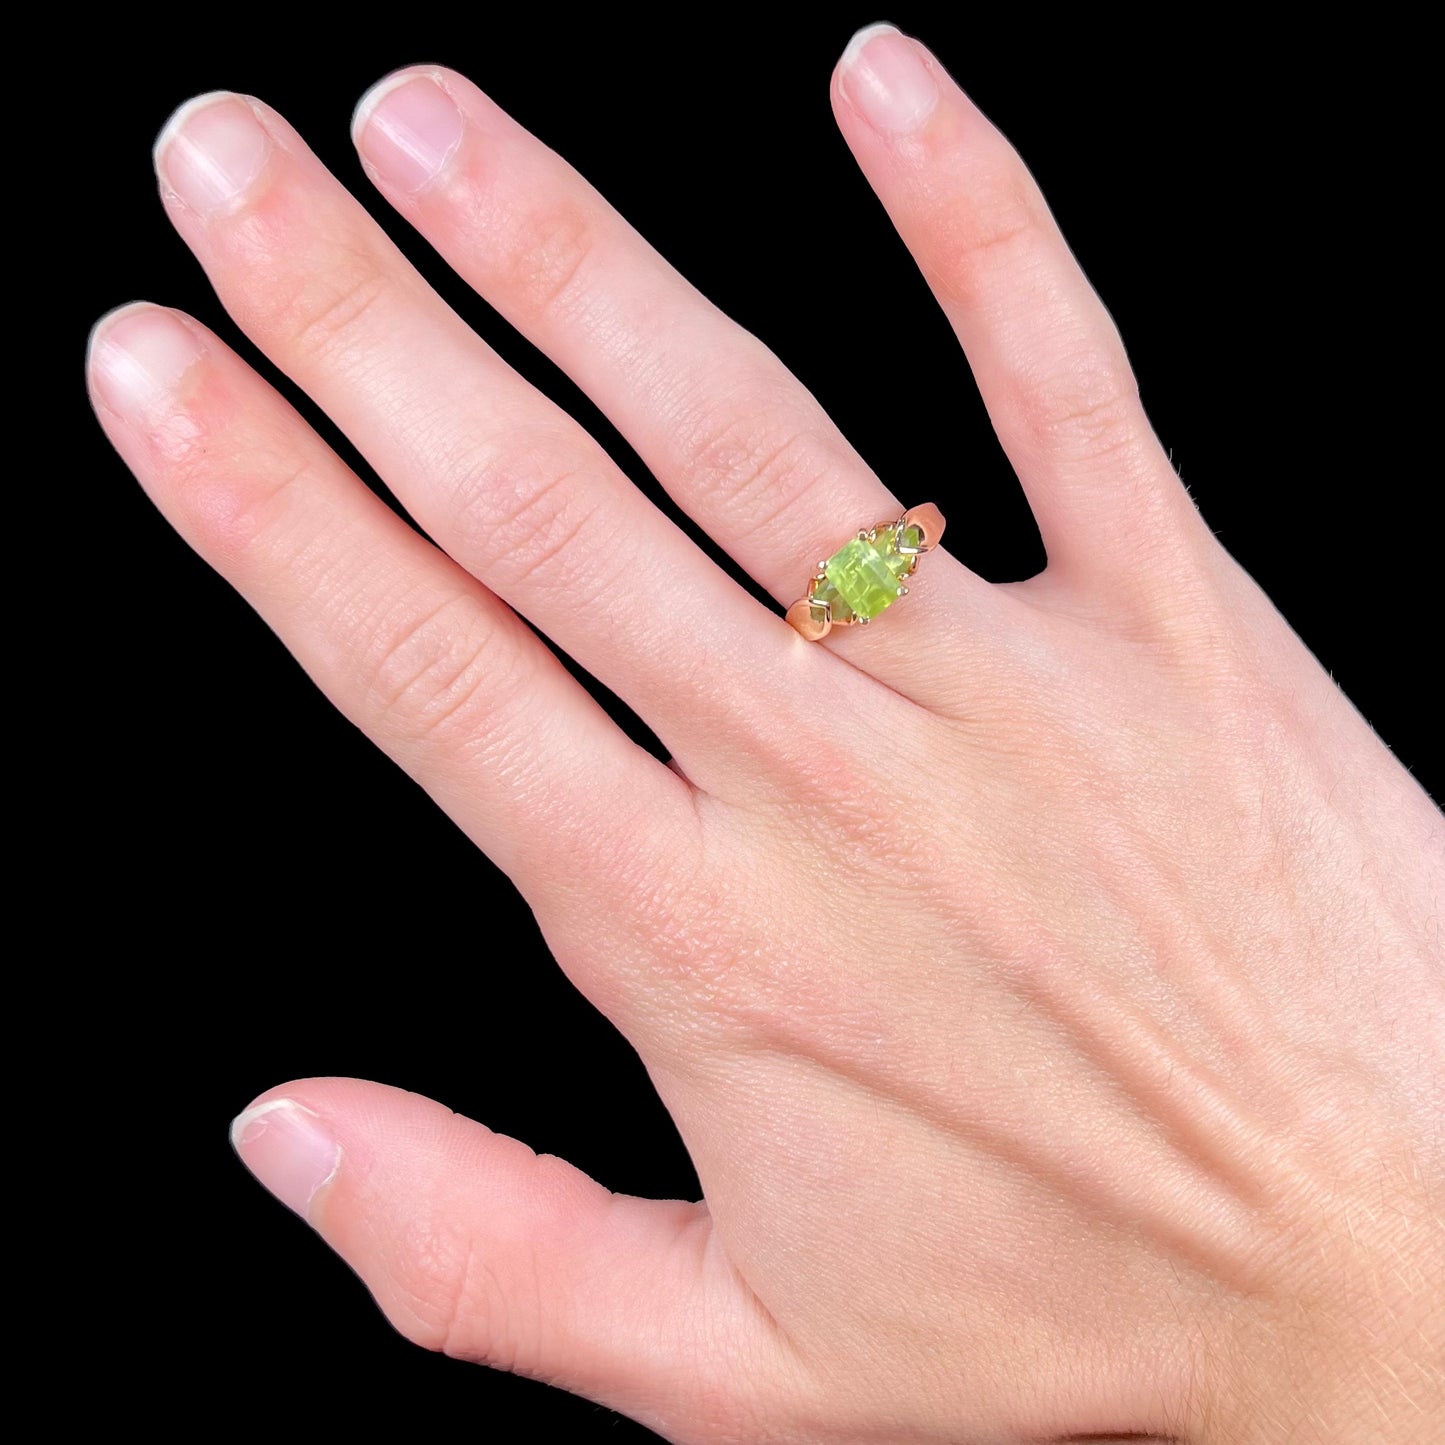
[
  {"x": 810, "y": 618},
  {"x": 929, "y": 521}
]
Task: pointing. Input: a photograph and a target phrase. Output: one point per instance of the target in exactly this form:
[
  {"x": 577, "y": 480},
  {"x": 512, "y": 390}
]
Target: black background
[{"x": 294, "y": 905}]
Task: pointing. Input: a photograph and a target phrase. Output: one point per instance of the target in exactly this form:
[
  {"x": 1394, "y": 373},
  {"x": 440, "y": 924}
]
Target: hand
[{"x": 1022, "y": 815}]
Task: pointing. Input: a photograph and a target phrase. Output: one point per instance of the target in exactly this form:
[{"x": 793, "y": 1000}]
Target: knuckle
[
  {"x": 434, "y": 676},
  {"x": 1088, "y": 407},
  {"x": 1084, "y": 406},
  {"x": 315, "y": 315},
  {"x": 429, "y": 1270},
  {"x": 544, "y": 263},
  {"x": 235, "y": 485},
  {"x": 758, "y": 453},
  {"x": 526, "y": 511},
  {"x": 447, "y": 1296},
  {"x": 238, "y": 517},
  {"x": 488, "y": 1323},
  {"x": 463, "y": 1292},
  {"x": 980, "y": 236}
]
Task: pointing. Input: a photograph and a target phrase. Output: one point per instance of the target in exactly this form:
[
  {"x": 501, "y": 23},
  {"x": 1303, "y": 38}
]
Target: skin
[{"x": 1139, "y": 1135}]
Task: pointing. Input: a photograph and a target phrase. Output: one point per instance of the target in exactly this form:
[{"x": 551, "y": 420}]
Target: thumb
[{"x": 475, "y": 1246}]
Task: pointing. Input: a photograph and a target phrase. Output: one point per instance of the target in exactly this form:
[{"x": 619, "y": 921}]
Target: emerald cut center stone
[{"x": 865, "y": 574}]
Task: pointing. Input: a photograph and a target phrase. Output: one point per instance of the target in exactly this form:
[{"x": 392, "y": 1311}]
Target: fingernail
[
  {"x": 211, "y": 150},
  {"x": 288, "y": 1149},
  {"x": 138, "y": 357},
  {"x": 886, "y": 81},
  {"x": 406, "y": 129}
]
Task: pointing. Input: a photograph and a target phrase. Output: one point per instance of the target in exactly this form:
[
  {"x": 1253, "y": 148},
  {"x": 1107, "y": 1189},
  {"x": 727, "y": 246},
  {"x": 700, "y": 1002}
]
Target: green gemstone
[
  {"x": 889, "y": 542},
  {"x": 838, "y": 610},
  {"x": 865, "y": 575}
]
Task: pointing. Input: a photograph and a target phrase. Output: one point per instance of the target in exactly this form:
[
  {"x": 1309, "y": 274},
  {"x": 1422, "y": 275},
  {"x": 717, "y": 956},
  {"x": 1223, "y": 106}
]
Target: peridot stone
[
  {"x": 889, "y": 540},
  {"x": 865, "y": 575},
  {"x": 838, "y": 610}
]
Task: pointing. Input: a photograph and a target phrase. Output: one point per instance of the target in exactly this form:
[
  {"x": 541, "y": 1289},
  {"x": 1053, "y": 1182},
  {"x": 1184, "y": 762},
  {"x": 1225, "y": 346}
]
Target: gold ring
[{"x": 865, "y": 575}]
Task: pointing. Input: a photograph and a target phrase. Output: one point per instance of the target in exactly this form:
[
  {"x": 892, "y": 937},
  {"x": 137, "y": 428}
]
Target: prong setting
[{"x": 866, "y": 575}]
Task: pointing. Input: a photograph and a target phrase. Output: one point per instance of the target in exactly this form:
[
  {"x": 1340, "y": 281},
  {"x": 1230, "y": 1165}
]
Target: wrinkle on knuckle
[
  {"x": 481, "y": 1325},
  {"x": 427, "y": 1269},
  {"x": 758, "y": 452},
  {"x": 450, "y": 1296},
  {"x": 979, "y": 236},
  {"x": 498, "y": 1294},
  {"x": 1086, "y": 408},
  {"x": 316, "y": 310},
  {"x": 436, "y": 676},
  {"x": 546, "y": 256},
  {"x": 525, "y": 513},
  {"x": 235, "y": 481},
  {"x": 237, "y": 516}
]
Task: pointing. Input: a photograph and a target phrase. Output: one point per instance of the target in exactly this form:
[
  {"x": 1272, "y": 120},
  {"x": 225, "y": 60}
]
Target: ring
[{"x": 865, "y": 575}]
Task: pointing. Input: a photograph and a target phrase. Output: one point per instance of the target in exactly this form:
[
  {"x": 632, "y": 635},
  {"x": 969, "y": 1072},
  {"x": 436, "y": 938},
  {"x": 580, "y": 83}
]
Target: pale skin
[{"x": 1139, "y": 1135}]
